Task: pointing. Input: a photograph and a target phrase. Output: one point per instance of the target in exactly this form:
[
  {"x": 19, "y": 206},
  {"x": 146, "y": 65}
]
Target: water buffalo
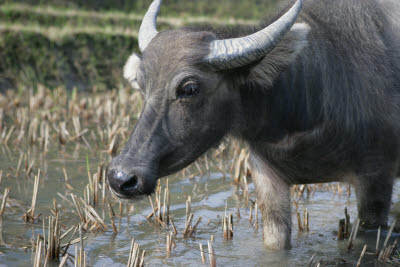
[{"x": 314, "y": 93}]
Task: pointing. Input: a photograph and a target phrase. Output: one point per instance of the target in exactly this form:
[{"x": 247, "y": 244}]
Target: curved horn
[
  {"x": 148, "y": 29},
  {"x": 237, "y": 52}
]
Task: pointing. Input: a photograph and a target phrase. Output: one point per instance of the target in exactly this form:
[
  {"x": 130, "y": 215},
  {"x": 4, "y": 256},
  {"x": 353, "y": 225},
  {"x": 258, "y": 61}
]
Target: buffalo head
[{"x": 190, "y": 80}]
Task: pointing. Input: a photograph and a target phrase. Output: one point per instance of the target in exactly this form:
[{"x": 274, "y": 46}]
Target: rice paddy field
[
  {"x": 56, "y": 208},
  {"x": 65, "y": 112}
]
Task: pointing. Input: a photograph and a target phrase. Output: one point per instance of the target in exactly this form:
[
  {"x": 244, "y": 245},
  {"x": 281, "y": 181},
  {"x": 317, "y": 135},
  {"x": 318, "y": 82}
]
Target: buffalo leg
[
  {"x": 273, "y": 198},
  {"x": 374, "y": 199}
]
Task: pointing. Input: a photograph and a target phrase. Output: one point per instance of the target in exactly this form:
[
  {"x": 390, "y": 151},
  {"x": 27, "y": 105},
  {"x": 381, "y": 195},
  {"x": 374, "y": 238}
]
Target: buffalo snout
[
  {"x": 122, "y": 183},
  {"x": 127, "y": 180}
]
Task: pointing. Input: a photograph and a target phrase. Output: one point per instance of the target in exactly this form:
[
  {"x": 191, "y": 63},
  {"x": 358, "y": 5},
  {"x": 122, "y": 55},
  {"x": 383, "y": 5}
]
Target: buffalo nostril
[
  {"x": 130, "y": 184},
  {"x": 121, "y": 182}
]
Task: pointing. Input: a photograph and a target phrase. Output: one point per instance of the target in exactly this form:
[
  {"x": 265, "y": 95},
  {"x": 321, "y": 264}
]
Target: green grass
[
  {"x": 72, "y": 46},
  {"x": 22, "y": 13},
  {"x": 243, "y": 9},
  {"x": 80, "y": 59},
  {"x": 48, "y": 16}
]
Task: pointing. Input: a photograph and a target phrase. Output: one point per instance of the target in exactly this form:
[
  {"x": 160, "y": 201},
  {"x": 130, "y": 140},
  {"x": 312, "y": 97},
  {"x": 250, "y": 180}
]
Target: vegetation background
[{"x": 84, "y": 43}]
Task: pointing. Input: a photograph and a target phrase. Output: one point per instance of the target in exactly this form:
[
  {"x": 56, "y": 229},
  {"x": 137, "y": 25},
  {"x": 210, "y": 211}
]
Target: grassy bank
[
  {"x": 79, "y": 59},
  {"x": 249, "y": 9},
  {"x": 64, "y": 45}
]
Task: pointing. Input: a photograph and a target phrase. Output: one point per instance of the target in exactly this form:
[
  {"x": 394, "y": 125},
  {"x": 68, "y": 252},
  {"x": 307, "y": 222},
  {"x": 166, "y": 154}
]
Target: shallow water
[{"x": 209, "y": 195}]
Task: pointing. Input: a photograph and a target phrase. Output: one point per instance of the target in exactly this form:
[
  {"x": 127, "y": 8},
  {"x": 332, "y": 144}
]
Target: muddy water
[{"x": 209, "y": 192}]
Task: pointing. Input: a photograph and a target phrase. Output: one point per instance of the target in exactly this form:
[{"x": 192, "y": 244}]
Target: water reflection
[{"x": 209, "y": 193}]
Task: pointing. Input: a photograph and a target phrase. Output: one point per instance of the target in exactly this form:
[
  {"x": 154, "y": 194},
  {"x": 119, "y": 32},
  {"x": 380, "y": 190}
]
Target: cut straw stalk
[
  {"x": 78, "y": 208},
  {"x": 377, "y": 241},
  {"x": 255, "y": 225},
  {"x": 361, "y": 256},
  {"x": 53, "y": 246},
  {"x": 303, "y": 225},
  {"x": 95, "y": 191},
  {"x": 173, "y": 225},
  {"x": 19, "y": 164},
  {"x": 38, "y": 254},
  {"x": 34, "y": 196},
  {"x": 170, "y": 243},
  {"x": 188, "y": 209},
  {"x": 188, "y": 225},
  {"x": 306, "y": 220},
  {"x": 389, "y": 233},
  {"x": 299, "y": 223},
  {"x": 67, "y": 180},
  {"x": 72, "y": 242},
  {"x": 4, "y": 201},
  {"x": 136, "y": 255},
  {"x": 5, "y": 140},
  {"x": 211, "y": 255},
  {"x": 112, "y": 215},
  {"x": 239, "y": 168},
  {"x": 104, "y": 187},
  {"x": 189, "y": 229},
  {"x": 55, "y": 209},
  {"x": 93, "y": 216},
  {"x": 46, "y": 139},
  {"x": 206, "y": 161},
  {"x": 158, "y": 200},
  {"x": 192, "y": 230},
  {"x": 88, "y": 172},
  {"x": 62, "y": 133},
  {"x": 67, "y": 232},
  {"x": 386, "y": 251},
  {"x": 347, "y": 223},
  {"x": 353, "y": 233},
  {"x": 49, "y": 248},
  {"x": 80, "y": 255},
  {"x": 113, "y": 146},
  {"x": 64, "y": 260},
  {"x": 30, "y": 214},
  {"x": 166, "y": 205},
  {"x": 311, "y": 260},
  {"x": 344, "y": 225},
  {"x": 203, "y": 257},
  {"x": 153, "y": 213},
  {"x": 228, "y": 226}
]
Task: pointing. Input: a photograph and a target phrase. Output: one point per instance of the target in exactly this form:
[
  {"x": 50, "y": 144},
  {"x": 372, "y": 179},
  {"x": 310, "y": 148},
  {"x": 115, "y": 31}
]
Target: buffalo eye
[{"x": 187, "y": 89}]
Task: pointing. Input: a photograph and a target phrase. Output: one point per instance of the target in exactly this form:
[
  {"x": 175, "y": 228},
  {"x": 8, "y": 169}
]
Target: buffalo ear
[
  {"x": 130, "y": 70},
  {"x": 267, "y": 70}
]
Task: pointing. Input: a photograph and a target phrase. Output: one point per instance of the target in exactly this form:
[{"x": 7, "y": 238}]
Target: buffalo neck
[{"x": 283, "y": 109}]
